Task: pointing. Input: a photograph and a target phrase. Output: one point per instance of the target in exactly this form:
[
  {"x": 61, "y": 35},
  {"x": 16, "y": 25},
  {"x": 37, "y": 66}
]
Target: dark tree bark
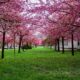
[
  {"x": 22, "y": 46},
  {"x": 14, "y": 44},
  {"x": 72, "y": 43},
  {"x": 62, "y": 44},
  {"x": 20, "y": 40},
  {"x": 58, "y": 45},
  {"x": 3, "y": 45},
  {"x": 55, "y": 45}
]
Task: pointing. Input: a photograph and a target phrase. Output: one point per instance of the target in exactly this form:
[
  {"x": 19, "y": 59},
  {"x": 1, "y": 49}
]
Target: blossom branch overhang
[{"x": 4, "y": 1}]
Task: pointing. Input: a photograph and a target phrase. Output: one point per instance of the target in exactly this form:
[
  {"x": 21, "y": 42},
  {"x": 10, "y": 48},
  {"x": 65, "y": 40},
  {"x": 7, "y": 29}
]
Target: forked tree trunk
[
  {"x": 62, "y": 44},
  {"x": 20, "y": 40},
  {"x": 72, "y": 43},
  {"x": 3, "y": 45}
]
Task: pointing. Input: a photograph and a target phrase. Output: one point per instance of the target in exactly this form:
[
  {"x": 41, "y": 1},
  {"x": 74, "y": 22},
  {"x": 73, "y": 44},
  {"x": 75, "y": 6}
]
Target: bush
[{"x": 26, "y": 47}]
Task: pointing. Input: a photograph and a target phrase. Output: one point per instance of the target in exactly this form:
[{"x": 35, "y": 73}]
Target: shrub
[{"x": 26, "y": 47}]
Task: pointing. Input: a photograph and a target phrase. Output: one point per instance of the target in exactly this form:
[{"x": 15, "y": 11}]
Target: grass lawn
[{"x": 40, "y": 64}]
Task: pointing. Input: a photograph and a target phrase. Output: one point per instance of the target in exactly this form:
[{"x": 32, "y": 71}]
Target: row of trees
[
  {"x": 55, "y": 19},
  {"x": 64, "y": 23},
  {"x": 15, "y": 28},
  {"x": 61, "y": 20}
]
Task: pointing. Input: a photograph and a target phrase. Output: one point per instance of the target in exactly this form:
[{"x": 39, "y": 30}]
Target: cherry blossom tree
[{"x": 8, "y": 17}]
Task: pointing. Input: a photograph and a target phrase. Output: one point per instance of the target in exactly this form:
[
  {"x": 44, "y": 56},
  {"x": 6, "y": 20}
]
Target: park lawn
[{"x": 40, "y": 64}]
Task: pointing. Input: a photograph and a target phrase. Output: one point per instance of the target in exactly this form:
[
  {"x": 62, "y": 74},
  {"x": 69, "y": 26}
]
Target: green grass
[{"x": 40, "y": 64}]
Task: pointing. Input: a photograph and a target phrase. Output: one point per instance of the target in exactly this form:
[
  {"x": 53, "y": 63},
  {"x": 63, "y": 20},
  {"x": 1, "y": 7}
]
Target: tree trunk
[
  {"x": 22, "y": 46},
  {"x": 72, "y": 43},
  {"x": 3, "y": 45},
  {"x": 14, "y": 44},
  {"x": 55, "y": 45},
  {"x": 20, "y": 40},
  {"x": 62, "y": 44},
  {"x": 58, "y": 45}
]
